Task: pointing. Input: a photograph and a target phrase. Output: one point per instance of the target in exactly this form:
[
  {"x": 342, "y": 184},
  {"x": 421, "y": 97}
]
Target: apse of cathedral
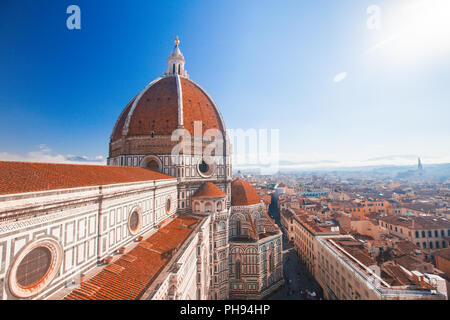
[{"x": 152, "y": 224}]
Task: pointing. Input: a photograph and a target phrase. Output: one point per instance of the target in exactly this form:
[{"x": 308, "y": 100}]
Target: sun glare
[{"x": 415, "y": 30}]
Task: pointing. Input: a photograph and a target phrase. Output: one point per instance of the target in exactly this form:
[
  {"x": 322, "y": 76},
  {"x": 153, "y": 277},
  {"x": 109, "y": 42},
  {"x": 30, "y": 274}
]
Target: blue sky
[{"x": 267, "y": 64}]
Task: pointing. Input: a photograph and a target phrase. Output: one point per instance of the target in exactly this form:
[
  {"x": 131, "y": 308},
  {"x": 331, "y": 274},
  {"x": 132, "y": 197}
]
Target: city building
[
  {"x": 348, "y": 268},
  {"x": 307, "y": 227},
  {"x": 348, "y": 272},
  {"x": 426, "y": 232}
]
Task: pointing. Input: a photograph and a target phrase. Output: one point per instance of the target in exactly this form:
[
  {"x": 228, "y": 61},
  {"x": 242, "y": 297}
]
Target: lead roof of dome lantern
[
  {"x": 159, "y": 107},
  {"x": 243, "y": 194}
]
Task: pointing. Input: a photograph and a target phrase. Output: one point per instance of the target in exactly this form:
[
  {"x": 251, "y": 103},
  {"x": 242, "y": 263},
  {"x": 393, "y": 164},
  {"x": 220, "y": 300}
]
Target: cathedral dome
[
  {"x": 168, "y": 103},
  {"x": 209, "y": 190},
  {"x": 243, "y": 194}
]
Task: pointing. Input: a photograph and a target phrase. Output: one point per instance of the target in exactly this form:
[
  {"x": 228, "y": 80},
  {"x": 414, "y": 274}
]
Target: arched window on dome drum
[
  {"x": 219, "y": 206},
  {"x": 173, "y": 68},
  {"x": 208, "y": 207},
  {"x": 179, "y": 69}
]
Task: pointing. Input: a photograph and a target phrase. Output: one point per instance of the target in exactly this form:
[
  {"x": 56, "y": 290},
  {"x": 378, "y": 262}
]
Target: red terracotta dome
[
  {"x": 165, "y": 105},
  {"x": 208, "y": 190},
  {"x": 243, "y": 194}
]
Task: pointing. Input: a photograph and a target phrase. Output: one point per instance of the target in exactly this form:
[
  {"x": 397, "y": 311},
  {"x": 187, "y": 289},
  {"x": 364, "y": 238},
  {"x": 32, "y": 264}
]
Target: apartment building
[
  {"x": 426, "y": 232},
  {"x": 346, "y": 271}
]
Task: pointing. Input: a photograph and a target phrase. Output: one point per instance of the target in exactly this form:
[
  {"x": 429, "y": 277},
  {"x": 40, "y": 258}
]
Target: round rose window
[
  {"x": 168, "y": 205},
  {"x": 134, "y": 222},
  {"x": 34, "y": 268}
]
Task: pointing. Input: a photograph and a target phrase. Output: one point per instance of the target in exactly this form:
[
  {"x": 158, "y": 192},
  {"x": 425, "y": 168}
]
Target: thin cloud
[
  {"x": 340, "y": 77},
  {"x": 44, "y": 154}
]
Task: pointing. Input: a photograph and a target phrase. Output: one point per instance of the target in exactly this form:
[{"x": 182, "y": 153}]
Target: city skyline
[
  {"x": 225, "y": 151},
  {"x": 356, "y": 97}
]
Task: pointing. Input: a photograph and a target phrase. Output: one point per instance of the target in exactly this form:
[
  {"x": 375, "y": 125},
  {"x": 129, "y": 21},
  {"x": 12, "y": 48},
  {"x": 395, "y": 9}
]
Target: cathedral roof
[
  {"x": 209, "y": 190},
  {"x": 163, "y": 107},
  {"x": 128, "y": 277},
  {"x": 243, "y": 194},
  {"x": 20, "y": 177}
]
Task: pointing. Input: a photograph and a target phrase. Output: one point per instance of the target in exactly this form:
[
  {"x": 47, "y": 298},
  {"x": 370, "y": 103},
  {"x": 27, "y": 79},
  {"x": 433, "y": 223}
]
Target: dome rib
[{"x": 130, "y": 113}]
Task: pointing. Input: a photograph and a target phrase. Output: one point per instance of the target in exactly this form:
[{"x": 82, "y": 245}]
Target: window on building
[
  {"x": 431, "y": 245},
  {"x": 238, "y": 227},
  {"x": 417, "y": 234},
  {"x": 423, "y": 234},
  {"x": 437, "y": 245},
  {"x": 430, "y": 234},
  {"x": 424, "y": 245}
]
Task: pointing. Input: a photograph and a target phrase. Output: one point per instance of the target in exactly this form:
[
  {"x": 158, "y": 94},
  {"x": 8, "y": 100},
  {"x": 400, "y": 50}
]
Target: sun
[{"x": 415, "y": 30}]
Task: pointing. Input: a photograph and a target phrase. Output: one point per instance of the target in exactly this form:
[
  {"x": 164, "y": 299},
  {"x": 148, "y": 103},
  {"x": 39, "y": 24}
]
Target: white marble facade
[{"x": 84, "y": 224}]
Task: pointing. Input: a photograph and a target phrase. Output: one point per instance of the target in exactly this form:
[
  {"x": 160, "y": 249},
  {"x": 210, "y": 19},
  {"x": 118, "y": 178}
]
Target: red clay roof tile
[
  {"x": 125, "y": 280},
  {"x": 20, "y": 177},
  {"x": 243, "y": 194},
  {"x": 157, "y": 110},
  {"x": 209, "y": 190}
]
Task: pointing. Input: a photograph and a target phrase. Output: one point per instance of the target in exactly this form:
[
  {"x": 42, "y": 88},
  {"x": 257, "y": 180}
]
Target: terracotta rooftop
[
  {"x": 267, "y": 198},
  {"x": 443, "y": 253},
  {"x": 243, "y": 194},
  {"x": 391, "y": 272},
  {"x": 129, "y": 276},
  {"x": 20, "y": 177},
  {"x": 316, "y": 228},
  {"x": 209, "y": 190},
  {"x": 157, "y": 110},
  {"x": 426, "y": 222}
]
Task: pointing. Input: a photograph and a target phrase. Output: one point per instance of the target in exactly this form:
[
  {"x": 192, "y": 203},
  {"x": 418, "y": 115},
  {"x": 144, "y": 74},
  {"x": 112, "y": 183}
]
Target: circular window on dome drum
[
  {"x": 153, "y": 165},
  {"x": 206, "y": 167},
  {"x": 34, "y": 268},
  {"x": 134, "y": 222},
  {"x": 203, "y": 167}
]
